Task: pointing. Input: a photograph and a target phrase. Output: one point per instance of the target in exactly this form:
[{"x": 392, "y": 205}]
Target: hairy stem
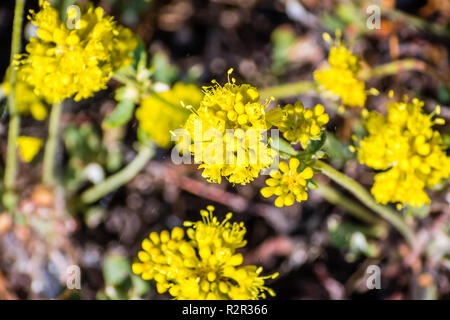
[
  {"x": 118, "y": 179},
  {"x": 361, "y": 193},
  {"x": 14, "y": 120},
  {"x": 397, "y": 66},
  {"x": 335, "y": 197},
  {"x": 288, "y": 89},
  {"x": 299, "y": 87},
  {"x": 51, "y": 146}
]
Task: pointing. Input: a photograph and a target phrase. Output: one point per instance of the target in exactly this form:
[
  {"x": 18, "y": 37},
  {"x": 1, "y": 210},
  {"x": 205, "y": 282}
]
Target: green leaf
[
  {"x": 418, "y": 212},
  {"x": 331, "y": 22},
  {"x": 352, "y": 237},
  {"x": 444, "y": 95},
  {"x": 283, "y": 39},
  {"x": 282, "y": 146},
  {"x": 321, "y": 154},
  {"x": 351, "y": 14},
  {"x": 128, "y": 92},
  {"x": 140, "y": 56},
  {"x": 164, "y": 71},
  {"x": 315, "y": 145},
  {"x": 116, "y": 269},
  {"x": 121, "y": 115},
  {"x": 337, "y": 150},
  {"x": 312, "y": 185},
  {"x": 139, "y": 286}
]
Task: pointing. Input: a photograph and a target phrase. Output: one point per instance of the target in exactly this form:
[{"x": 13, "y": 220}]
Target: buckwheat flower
[
  {"x": 288, "y": 184},
  {"x": 297, "y": 123},
  {"x": 26, "y": 100},
  {"x": 63, "y": 62},
  {"x": 28, "y": 147},
  {"x": 162, "y": 112},
  {"x": 396, "y": 186},
  {"x": 404, "y": 145},
  {"x": 340, "y": 78},
  {"x": 227, "y": 133},
  {"x": 202, "y": 262}
]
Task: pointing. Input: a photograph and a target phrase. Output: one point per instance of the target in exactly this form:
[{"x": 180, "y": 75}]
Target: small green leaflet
[{"x": 121, "y": 115}]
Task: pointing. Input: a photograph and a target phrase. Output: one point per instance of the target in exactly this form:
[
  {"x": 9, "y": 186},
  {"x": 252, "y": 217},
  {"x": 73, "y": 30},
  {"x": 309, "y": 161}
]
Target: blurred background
[{"x": 320, "y": 250}]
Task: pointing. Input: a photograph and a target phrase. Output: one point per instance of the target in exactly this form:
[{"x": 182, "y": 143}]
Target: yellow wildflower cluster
[
  {"x": 341, "y": 78},
  {"x": 27, "y": 101},
  {"x": 28, "y": 147},
  {"x": 288, "y": 184},
  {"x": 79, "y": 61},
  {"x": 297, "y": 123},
  {"x": 161, "y": 112},
  {"x": 410, "y": 152},
  {"x": 227, "y": 133},
  {"x": 205, "y": 266}
]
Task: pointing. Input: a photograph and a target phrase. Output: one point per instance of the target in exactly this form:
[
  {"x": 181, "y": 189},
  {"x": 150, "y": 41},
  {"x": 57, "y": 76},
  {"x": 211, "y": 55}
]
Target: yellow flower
[
  {"x": 227, "y": 133},
  {"x": 405, "y": 145},
  {"x": 27, "y": 101},
  {"x": 28, "y": 147},
  {"x": 297, "y": 123},
  {"x": 162, "y": 112},
  {"x": 341, "y": 78},
  {"x": 288, "y": 184},
  {"x": 204, "y": 266},
  {"x": 79, "y": 61},
  {"x": 341, "y": 58},
  {"x": 397, "y": 186},
  {"x": 343, "y": 83}
]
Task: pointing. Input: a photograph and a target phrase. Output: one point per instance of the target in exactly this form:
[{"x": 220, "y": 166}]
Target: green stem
[
  {"x": 287, "y": 90},
  {"x": 397, "y": 66},
  {"x": 299, "y": 87},
  {"x": 51, "y": 146},
  {"x": 118, "y": 179},
  {"x": 359, "y": 192},
  {"x": 335, "y": 197},
  {"x": 14, "y": 120}
]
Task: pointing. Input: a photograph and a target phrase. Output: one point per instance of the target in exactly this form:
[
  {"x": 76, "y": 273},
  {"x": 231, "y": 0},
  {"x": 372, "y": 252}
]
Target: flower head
[
  {"x": 26, "y": 100},
  {"x": 341, "y": 78},
  {"x": 79, "y": 61},
  {"x": 297, "y": 123},
  {"x": 203, "y": 266},
  {"x": 288, "y": 184},
  {"x": 228, "y": 133},
  {"x": 28, "y": 147},
  {"x": 162, "y": 112},
  {"x": 406, "y": 147}
]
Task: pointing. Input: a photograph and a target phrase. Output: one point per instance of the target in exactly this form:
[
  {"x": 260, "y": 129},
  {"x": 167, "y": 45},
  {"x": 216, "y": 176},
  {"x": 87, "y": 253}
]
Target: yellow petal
[
  {"x": 293, "y": 164},
  {"x": 267, "y": 192},
  {"x": 279, "y": 202},
  {"x": 284, "y": 167},
  {"x": 289, "y": 200},
  {"x": 28, "y": 147},
  {"x": 307, "y": 173}
]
